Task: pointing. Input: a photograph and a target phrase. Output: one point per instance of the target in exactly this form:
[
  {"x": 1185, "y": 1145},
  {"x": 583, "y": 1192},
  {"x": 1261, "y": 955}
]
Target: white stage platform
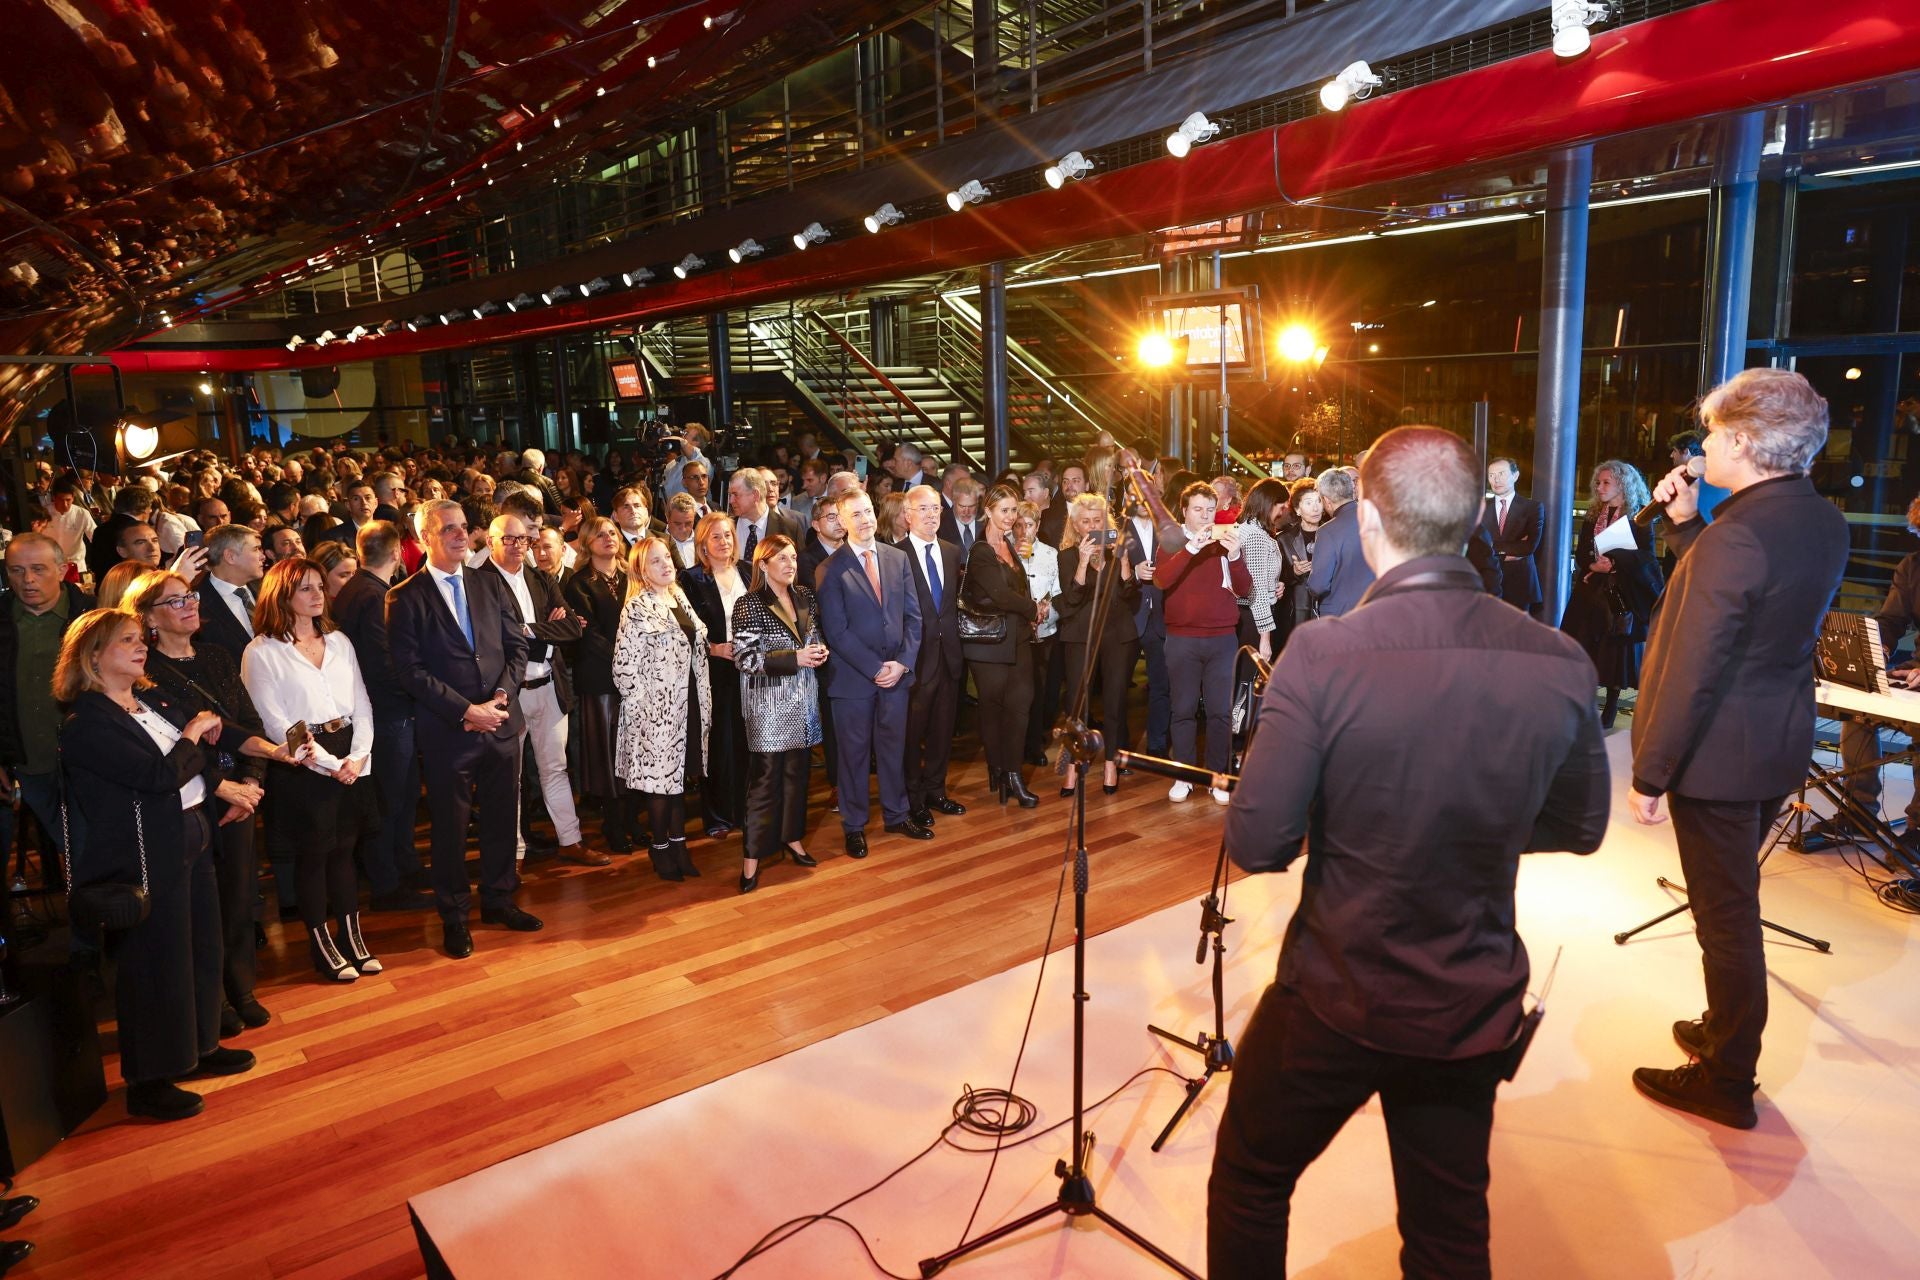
[{"x": 1589, "y": 1179}]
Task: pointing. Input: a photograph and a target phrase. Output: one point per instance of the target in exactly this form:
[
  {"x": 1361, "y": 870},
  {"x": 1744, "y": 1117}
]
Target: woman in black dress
[
  {"x": 1613, "y": 594},
  {"x": 1295, "y": 534},
  {"x": 715, "y": 582},
  {"x": 1088, "y": 556},
  {"x": 994, "y": 582},
  {"x": 596, "y": 590}
]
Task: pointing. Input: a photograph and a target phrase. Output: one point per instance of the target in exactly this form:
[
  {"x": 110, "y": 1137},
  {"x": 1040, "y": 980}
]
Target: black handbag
[
  {"x": 977, "y": 627},
  {"x": 112, "y": 905},
  {"x": 1620, "y": 619}
]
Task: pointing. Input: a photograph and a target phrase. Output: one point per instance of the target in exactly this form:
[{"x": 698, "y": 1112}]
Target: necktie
[
  {"x": 933, "y": 578},
  {"x": 873, "y": 573},
  {"x": 1502, "y": 518},
  {"x": 460, "y": 608},
  {"x": 753, "y": 540},
  {"x": 246, "y": 602},
  {"x": 966, "y": 538}
]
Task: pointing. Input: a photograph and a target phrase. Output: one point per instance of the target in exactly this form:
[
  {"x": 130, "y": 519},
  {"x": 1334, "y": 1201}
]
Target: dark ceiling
[{"x": 157, "y": 154}]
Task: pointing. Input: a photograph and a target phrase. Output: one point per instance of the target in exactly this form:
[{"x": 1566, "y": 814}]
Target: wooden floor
[{"x": 637, "y": 990}]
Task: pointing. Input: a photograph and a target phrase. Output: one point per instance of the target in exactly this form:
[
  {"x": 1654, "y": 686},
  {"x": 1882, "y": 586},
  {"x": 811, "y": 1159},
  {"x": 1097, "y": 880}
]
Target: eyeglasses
[
  {"x": 177, "y": 603},
  {"x": 515, "y": 539}
]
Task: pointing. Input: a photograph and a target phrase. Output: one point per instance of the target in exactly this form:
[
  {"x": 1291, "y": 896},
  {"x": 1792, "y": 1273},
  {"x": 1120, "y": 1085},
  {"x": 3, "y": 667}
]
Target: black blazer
[
  {"x": 994, "y": 587},
  {"x": 218, "y": 625},
  {"x": 548, "y": 636},
  {"x": 703, "y": 593},
  {"x": 1636, "y": 573},
  {"x": 361, "y": 612},
  {"x": 950, "y": 528},
  {"x": 1520, "y": 579},
  {"x": 587, "y": 594},
  {"x": 1077, "y": 603},
  {"x": 436, "y": 666},
  {"x": 939, "y": 629},
  {"x": 1485, "y": 561},
  {"x": 1726, "y": 689},
  {"x": 112, "y": 765}
]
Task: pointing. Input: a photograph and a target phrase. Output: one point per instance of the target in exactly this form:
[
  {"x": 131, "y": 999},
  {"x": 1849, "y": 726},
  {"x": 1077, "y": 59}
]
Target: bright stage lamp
[
  {"x": 1156, "y": 350},
  {"x": 688, "y": 265},
  {"x": 1070, "y": 167},
  {"x": 139, "y": 441},
  {"x": 1571, "y": 20},
  {"x": 885, "y": 216},
  {"x": 1195, "y": 128},
  {"x": 635, "y": 278},
  {"x": 1297, "y": 344},
  {"x": 813, "y": 234},
  {"x": 972, "y": 191},
  {"x": 748, "y": 248},
  {"x": 1356, "y": 83}
]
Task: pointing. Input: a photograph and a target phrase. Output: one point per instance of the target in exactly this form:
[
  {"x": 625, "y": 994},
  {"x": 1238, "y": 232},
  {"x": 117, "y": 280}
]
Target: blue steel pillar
[
  {"x": 1556, "y": 432},
  {"x": 993, "y": 362},
  {"x": 1733, "y": 210}
]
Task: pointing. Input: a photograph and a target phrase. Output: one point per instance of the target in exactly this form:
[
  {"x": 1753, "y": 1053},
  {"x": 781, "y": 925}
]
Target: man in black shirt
[{"x": 1402, "y": 972}]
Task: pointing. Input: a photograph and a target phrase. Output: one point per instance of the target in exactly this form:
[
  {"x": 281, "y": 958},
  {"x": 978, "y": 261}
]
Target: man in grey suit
[
  {"x": 1340, "y": 574},
  {"x": 753, "y": 515}
]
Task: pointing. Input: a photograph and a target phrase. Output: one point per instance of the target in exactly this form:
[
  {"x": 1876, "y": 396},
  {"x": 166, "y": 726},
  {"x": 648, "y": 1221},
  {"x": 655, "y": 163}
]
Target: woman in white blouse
[
  {"x": 300, "y": 671},
  {"x": 1042, "y": 563},
  {"x": 713, "y": 585}
]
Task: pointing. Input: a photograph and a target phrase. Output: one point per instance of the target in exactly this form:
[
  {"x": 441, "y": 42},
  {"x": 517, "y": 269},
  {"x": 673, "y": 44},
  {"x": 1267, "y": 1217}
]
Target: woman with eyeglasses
[{"x": 300, "y": 670}]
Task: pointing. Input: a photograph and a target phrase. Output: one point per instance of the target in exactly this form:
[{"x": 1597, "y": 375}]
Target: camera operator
[{"x": 1402, "y": 973}]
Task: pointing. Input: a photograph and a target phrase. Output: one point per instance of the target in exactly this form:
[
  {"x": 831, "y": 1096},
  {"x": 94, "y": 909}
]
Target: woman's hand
[
  {"x": 204, "y": 727},
  {"x": 1301, "y": 568},
  {"x": 724, "y": 650},
  {"x": 1602, "y": 564},
  {"x": 242, "y": 799},
  {"x": 812, "y": 656},
  {"x": 1266, "y": 646},
  {"x": 346, "y": 773}
]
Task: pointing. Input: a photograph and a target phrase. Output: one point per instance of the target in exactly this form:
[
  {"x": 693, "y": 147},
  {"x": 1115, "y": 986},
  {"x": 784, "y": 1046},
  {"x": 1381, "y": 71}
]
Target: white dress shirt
[
  {"x": 1043, "y": 580},
  {"x": 920, "y": 546},
  {"x": 517, "y": 583},
  {"x": 230, "y": 592},
  {"x": 286, "y": 687}
]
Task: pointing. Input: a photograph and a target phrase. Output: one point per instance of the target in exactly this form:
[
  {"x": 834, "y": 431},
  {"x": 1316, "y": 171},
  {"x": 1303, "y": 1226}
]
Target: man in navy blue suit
[
  {"x": 870, "y": 613},
  {"x": 938, "y": 671}
]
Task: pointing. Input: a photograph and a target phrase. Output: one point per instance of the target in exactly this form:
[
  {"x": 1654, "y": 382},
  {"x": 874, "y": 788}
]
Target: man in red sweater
[{"x": 1202, "y": 583}]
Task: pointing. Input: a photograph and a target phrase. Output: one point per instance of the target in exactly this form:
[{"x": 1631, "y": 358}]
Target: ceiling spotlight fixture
[
  {"x": 972, "y": 191},
  {"x": 388, "y": 326},
  {"x": 326, "y": 336},
  {"x": 1070, "y": 167},
  {"x": 600, "y": 92},
  {"x": 1354, "y": 84},
  {"x": 418, "y": 323},
  {"x": 206, "y": 388},
  {"x": 652, "y": 62},
  {"x": 294, "y": 341},
  {"x": 485, "y": 309},
  {"x": 522, "y": 302},
  {"x": 356, "y": 333},
  {"x": 556, "y": 293},
  {"x": 448, "y": 317},
  {"x": 707, "y": 22},
  {"x": 638, "y": 276},
  {"x": 688, "y": 265},
  {"x": 1571, "y": 18},
  {"x": 599, "y": 284},
  {"x": 748, "y": 248},
  {"x": 519, "y": 146},
  {"x": 1195, "y": 128},
  {"x": 885, "y": 216},
  {"x": 813, "y": 234}
]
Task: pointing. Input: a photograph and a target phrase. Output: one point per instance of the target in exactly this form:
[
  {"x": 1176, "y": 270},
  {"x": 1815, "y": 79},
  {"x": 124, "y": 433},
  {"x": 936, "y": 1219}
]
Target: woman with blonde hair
[
  {"x": 301, "y": 671},
  {"x": 1095, "y": 551},
  {"x": 138, "y": 771},
  {"x": 338, "y": 562},
  {"x": 666, "y": 700},
  {"x": 597, "y": 591},
  {"x": 1612, "y": 599},
  {"x": 713, "y": 584},
  {"x": 892, "y": 517},
  {"x": 114, "y": 582}
]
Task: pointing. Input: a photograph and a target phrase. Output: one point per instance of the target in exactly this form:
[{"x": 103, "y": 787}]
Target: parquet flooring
[{"x": 637, "y": 990}]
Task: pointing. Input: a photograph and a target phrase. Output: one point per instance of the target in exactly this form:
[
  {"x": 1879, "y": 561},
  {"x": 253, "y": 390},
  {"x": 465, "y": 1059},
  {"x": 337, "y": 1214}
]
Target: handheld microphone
[{"x": 1696, "y": 467}]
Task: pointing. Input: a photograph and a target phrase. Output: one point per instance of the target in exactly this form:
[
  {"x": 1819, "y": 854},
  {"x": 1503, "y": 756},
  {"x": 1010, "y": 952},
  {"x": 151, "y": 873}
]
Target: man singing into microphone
[
  {"x": 1402, "y": 972},
  {"x": 1724, "y": 727}
]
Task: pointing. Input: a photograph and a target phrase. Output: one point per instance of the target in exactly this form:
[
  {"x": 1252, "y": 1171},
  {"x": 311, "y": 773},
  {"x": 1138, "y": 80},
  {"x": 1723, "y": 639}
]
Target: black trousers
[
  {"x": 1112, "y": 665},
  {"x": 456, "y": 765},
  {"x": 723, "y": 792},
  {"x": 325, "y": 814},
  {"x": 1720, "y": 859},
  {"x": 776, "y": 800},
  {"x": 166, "y": 988},
  {"x": 1200, "y": 668},
  {"x": 932, "y": 706},
  {"x": 1153, "y": 646},
  {"x": 1859, "y": 749},
  {"x": 1295, "y": 1082},
  {"x": 1006, "y": 699},
  {"x": 236, "y": 874},
  {"x": 1049, "y": 677}
]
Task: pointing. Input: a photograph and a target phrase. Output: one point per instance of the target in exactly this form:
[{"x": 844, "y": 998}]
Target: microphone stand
[{"x": 1076, "y": 1198}]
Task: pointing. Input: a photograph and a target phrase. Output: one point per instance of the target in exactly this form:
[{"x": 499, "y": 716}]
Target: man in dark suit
[
  {"x": 361, "y": 502},
  {"x": 234, "y": 564},
  {"x": 961, "y": 524},
  {"x": 393, "y": 861},
  {"x": 753, "y": 517},
  {"x": 1724, "y": 728},
  {"x": 1341, "y": 575},
  {"x": 1515, "y": 524},
  {"x": 1140, "y": 543},
  {"x": 460, "y": 651},
  {"x": 533, "y": 474},
  {"x": 1402, "y": 972},
  {"x": 870, "y": 614},
  {"x": 937, "y": 672}
]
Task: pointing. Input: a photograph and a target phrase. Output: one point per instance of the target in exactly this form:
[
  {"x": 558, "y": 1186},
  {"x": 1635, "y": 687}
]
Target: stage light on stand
[
  {"x": 748, "y": 248},
  {"x": 1296, "y": 344},
  {"x": 1070, "y": 167},
  {"x": 1155, "y": 350},
  {"x": 885, "y": 216},
  {"x": 1354, "y": 84},
  {"x": 688, "y": 265},
  {"x": 1571, "y": 20},
  {"x": 1196, "y": 128},
  {"x": 138, "y": 441},
  {"x": 972, "y": 191},
  {"x": 813, "y": 234}
]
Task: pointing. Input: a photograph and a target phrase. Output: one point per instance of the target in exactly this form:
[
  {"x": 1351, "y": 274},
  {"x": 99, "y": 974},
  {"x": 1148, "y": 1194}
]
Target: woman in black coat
[
  {"x": 1088, "y": 554},
  {"x": 596, "y": 590},
  {"x": 143, "y": 805},
  {"x": 715, "y": 582},
  {"x": 994, "y": 582},
  {"x": 1612, "y": 599}
]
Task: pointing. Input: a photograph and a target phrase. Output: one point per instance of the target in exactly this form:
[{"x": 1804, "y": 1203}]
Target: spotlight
[
  {"x": 813, "y": 234},
  {"x": 1297, "y": 344},
  {"x": 418, "y": 323},
  {"x": 748, "y": 248},
  {"x": 636, "y": 277},
  {"x": 139, "y": 440},
  {"x": 1354, "y": 84},
  {"x": 1195, "y": 128},
  {"x": 885, "y": 216},
  {"x": 599, "y": 284},
  {"x": 972, "y": 191},
  {"x": 295, "y": 341},
  {"x": 356, "y": 333},
  {"x": 556, "y": 293},
  {"x": 1571, "y": 18},
  {"x": 326, "y": 336},
  {"x": 1156, "y": 350},
  {"x": 688, "y": 265},
  {"x": 485, "y": 309},
  {"x": 601, "y": 92},
  {"x": 522, "y": 302},
  {"x": 1070, "y": 167},
  {"x": 206, "y": 388},
  {"x": 448, "y": 317},
  {"x": 1853, "y": 373}
]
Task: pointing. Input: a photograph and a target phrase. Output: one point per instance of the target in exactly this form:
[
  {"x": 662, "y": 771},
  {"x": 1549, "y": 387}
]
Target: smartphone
[
  {"x": 297, "y": 734},
  {"x": 860, "y": 469},
  {"x": 195, "y": 538},
  {"x": 1107, "y": 537}
]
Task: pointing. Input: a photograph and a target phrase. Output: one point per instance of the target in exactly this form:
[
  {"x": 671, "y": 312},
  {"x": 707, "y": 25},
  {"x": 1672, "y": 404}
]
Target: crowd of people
[{"x": 272, "y": 658}]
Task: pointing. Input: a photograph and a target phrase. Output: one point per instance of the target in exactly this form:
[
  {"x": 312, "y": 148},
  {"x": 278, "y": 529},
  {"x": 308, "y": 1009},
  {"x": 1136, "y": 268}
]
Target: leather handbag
[
  {"x": 113, "y": 905},
  {"x": 977, "y": 627}
]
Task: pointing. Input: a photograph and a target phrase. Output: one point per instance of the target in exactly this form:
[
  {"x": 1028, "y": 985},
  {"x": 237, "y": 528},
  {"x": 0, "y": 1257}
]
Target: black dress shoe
[
  {"x": 13, "y": 1253},
  {"x": 252, "y": 1013},
  {"x": 856, "y": 844},
  {"x": 749, "y": 883},
  {"x": 910, "y": 829},
  {"x": 513, "y": 918},
  {"x": 230, "y": 1025},
  {"x": 1016, "y": 787},
  {"x": 221, "y": 1062},
  {"x": 11, "y": 1211},
  {"x": 952, "y": 808},
  {"x": 402, "y": 899},
  {"x": 161, "y": 1100},
  {"x": 801, "y": 858},
  {"x": 922, "y": 816},
  {"x": 1691, "y": 1035},
  {"x": 459, "y": 939},
  {"x": 1691, "y": 1089}
]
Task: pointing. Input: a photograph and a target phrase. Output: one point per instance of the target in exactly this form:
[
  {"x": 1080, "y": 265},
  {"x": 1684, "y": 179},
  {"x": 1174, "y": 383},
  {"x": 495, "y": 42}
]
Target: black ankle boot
[
  {"x": 327, "y": 960},
  {"x": 1017, "y": 788},
  {"x": 997, "y": 783},
  {"x": 665, "y": 865},
  {"x": 681, "y": 857},
  {"x": 354, "y": 946}
]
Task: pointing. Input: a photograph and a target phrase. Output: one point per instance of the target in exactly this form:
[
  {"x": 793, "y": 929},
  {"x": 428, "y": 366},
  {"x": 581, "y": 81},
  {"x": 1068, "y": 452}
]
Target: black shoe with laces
[
  {"x": 1692, "y": 1089},
  {"x": 1691, "y": 1035}
]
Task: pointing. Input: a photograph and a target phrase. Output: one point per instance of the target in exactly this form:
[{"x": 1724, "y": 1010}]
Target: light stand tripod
[
  {"x": 1215, "y": 1049},
  {"x": 1818, "y": 944}
]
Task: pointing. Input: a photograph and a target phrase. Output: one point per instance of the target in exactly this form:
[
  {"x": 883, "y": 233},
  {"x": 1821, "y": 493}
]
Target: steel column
[
  {"x": 993, "y": 362},
  {"x": 720, "y": 356},
  {"x": 1556, "y": 433},
  {"x": 1734, "y": 206}
]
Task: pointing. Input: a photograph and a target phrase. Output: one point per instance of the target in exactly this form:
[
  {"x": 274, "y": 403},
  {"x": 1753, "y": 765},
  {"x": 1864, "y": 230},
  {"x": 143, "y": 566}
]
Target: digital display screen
[
  {"x": 1200, "y": 326},
  {"x": 629, "y": 383}
]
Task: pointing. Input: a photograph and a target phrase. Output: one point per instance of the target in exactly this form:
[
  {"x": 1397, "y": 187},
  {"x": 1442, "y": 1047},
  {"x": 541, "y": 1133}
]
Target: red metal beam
[{"x": 1708, "y": 60}]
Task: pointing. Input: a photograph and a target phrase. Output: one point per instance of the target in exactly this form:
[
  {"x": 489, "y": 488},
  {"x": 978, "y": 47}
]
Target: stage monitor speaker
[
  {"x": 51, "y": 1079},
  {"x": 320, "y": 381}
]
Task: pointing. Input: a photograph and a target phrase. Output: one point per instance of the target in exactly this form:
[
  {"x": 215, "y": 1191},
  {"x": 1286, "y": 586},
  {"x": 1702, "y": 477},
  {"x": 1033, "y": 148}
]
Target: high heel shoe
[
  {"x": 1110, "y": 787},
  {"x": 357, "y": 952},
  {"x": 997, "y": 783},
  {"x": 748, "y": 883},
  {"x": 1017, "y": 788},
  {"x": 327, "y": 960},
  {"x": 801, "y": 858},
  {"x": 1068, "y": 787}
]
